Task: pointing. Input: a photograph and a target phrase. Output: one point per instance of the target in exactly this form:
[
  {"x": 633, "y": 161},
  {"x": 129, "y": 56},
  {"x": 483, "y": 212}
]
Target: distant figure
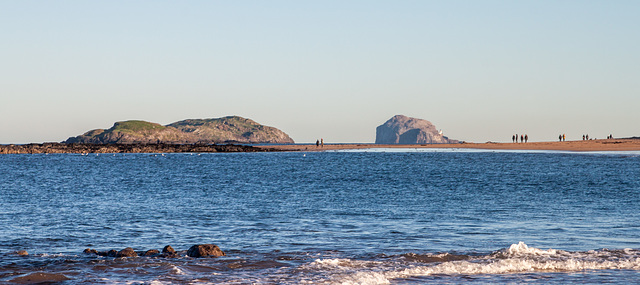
[
  {"x": 610, "y": 136},
  {"x": 564, "y": 138},
  {"x": 526, "y": 138},
  {"x": 513, "y": 138},
  {"x": 317, "y": 143},
  {"x": 521, "y": 138},
  {"x": 322, "y": 142},
  {"x": 560, "y": 137},
  {"x": 582, "y": 137},
  {"x": 587, "y": 136},
  {"x": 516, "y": 138}
]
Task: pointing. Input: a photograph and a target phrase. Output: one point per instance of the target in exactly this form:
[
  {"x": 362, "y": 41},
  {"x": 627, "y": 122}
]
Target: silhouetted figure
[
  {"x": 582, "y": 137},
  {"x": 317, "y": 143},
  {"x": 513, "y": 138},
  {"x": 526, "y": 138},
  {"x": 560, "y": 137},
  {"x": 516, "y": 138},
  {"x": 587, "y": 136},
  {"x": 564, "y": 138},
  {"x": 322, "y": 142},
  {"x": 521, "y": 138}
]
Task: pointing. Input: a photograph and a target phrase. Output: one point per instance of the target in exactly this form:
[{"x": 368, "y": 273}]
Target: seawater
[{"x": 363, "y": 217}]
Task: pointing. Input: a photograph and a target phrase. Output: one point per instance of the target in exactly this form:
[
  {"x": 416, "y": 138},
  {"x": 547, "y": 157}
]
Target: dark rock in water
[
  {"x": 405, "y": 130},
  {"x": 112, "y": 253},
  {"x": 168, "y": 249},
  {"x": 90, "y": 251},
  {"x": 151, "y": 252},
  {"x": 21, "y": 252},
  {"x": 40, "y": 278},
  {"x": 204, "y": 250},
  {"x": 127, "y": 252}
]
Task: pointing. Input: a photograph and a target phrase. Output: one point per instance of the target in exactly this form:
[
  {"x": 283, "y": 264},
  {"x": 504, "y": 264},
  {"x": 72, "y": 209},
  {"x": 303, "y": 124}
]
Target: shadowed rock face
[{"x": 405, "y": 130}]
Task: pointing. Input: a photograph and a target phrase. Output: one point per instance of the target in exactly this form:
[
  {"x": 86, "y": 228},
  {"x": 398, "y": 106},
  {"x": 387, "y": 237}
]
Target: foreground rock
[
  {"x": 405, "y": 130},
  {"x": 198, "y": 250},
  {"x": 126, "y": 148},
  {"x": 232, "y": 129},
  {"x": 205, "y": 250}
]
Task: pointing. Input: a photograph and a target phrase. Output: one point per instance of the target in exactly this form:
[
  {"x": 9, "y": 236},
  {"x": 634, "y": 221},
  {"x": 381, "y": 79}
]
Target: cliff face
[
  {"x": 405, "y": 130},
  {"x": 227, "y": 129}
]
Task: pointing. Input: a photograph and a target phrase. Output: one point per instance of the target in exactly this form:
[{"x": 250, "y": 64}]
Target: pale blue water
[{"x": 327, "y": 217}]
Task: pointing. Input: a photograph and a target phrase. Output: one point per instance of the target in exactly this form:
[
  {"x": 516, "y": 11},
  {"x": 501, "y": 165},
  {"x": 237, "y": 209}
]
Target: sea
[{"x": 377, "y": 216}]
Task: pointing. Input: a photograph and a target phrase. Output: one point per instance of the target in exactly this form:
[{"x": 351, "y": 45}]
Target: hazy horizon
[{"x": 479, "y": 70}]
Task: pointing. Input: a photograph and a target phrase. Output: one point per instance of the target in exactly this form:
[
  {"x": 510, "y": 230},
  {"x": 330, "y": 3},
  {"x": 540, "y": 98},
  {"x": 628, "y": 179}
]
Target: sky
[{"x": 479, "y": 70}]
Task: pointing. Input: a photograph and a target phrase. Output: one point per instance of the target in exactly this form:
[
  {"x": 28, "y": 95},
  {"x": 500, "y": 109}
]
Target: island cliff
[
  {"x": 232, "y": 129},
  {"x": 405, "y": 130}
]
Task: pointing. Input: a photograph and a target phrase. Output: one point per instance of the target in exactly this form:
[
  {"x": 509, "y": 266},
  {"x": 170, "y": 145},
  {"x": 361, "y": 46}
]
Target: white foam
[{"x": 518, "y": 258}]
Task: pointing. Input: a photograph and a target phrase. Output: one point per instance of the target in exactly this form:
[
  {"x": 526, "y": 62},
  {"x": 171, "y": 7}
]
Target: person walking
[
  {"x": 317, "y": 143},
  {"x": 560, "y": 137},
  {"x": 516, "y": 138},
  {"x": 564, "y": 138},
  {"x": 526, "y": 138},
  {"x": 513, "y": 138},
  {"x": 521, "y": 138}
]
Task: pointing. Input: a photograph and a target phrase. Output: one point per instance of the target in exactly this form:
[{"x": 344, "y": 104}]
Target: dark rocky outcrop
[
  {"x": 198, "y": 250},
  {"x": 125, "y": 148},
  {"x": 405, "y": 130},
  {"x": 219, "y": 130},
  {"x": 127, "y": 252},
  {"x": 205, "y": 250}
]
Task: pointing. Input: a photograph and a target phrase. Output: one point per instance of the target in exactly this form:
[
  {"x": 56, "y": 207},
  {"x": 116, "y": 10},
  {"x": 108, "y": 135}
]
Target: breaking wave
[{"x": 518, "y": 258}]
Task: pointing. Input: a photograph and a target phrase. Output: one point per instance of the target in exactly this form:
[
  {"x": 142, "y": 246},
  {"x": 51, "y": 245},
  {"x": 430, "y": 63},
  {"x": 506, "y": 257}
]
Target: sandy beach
[{"x": 590, "y": 145}]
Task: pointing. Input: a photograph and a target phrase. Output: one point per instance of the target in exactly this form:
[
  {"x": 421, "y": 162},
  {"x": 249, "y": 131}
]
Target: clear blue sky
[{"x": 479, "y": 70}]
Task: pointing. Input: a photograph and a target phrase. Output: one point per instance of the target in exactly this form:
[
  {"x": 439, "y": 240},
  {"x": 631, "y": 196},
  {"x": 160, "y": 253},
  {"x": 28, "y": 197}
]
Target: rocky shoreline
[{"x": 82, "y": 148}]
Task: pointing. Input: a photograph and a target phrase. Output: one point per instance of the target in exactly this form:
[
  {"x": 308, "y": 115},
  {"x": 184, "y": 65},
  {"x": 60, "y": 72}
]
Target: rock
[
  {"x": 90, "y": 251},
  {"x": 127, "y": 252},
  {"x": 21, "y": 252},
  {"x": 168, "y": 249},
  {"x": 218, "y": 130},
  {"x": 40, "y": 278},
  {"x": 204, "y": 250},
  {"x": 405, "y": 130},
  {"x": 151, "y": 252},
  {"x": 112, "y": 253}
]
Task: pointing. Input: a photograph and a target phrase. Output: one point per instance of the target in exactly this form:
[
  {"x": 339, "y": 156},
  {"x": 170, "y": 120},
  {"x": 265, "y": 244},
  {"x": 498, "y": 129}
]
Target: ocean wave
[{"x": 516, "y": 259}]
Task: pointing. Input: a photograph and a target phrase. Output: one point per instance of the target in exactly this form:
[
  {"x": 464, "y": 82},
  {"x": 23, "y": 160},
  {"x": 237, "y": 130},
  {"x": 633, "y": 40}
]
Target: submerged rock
[
  {"x": 205, "y": 250},
  {"x": 151, "y": 252},
  {"x": 20, "y": 252},
  {"x": 40, "y": 278}
]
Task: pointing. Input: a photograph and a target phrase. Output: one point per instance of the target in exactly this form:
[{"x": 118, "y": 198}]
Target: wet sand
[{"x": 590, "y": 145}]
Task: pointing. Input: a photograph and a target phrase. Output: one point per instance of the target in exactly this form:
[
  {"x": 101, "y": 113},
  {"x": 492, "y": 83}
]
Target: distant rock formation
[
  {"x": 405, "y": 130},
  {"x": 232, "y": 129}
]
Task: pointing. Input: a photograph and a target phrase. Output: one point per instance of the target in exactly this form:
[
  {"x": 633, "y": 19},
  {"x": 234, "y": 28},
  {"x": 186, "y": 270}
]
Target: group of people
[
  {"x": 562, "y": 137},
  {"x": 320, "y": 143},
  {"x": 523, "y": 138}
]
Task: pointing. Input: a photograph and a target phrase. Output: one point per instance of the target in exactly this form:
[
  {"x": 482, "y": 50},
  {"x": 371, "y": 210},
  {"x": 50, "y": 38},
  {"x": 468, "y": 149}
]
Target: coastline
[
  {"x": 580, "y": 146},
  {"x": 84, "y": 148}
]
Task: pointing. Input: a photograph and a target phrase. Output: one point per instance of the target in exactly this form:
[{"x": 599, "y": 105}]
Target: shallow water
[{"x": 329, "y": 217}]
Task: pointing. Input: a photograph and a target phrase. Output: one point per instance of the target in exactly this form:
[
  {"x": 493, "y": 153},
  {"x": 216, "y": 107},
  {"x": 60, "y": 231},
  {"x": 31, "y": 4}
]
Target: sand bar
[{"x": 590, "y": 145}]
